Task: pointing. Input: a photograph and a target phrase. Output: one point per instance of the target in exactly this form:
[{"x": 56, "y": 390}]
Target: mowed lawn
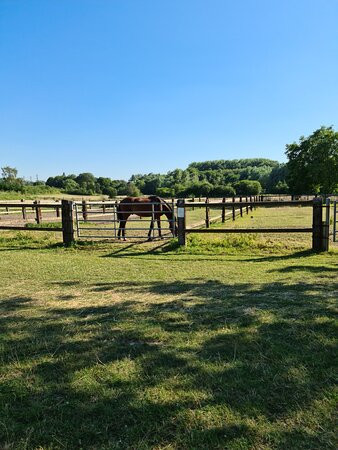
[{"x": 122, "y": 346}]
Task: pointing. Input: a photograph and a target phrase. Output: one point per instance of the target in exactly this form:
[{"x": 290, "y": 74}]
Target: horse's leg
[
  {"x": 150, "y": 230},
  {"x": 122, "y": 229},
  {"x": 159, "y": 227}
]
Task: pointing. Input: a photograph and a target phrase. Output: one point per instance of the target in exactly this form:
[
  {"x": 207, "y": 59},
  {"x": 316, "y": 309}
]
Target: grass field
[{"x": 228, "y": 344}]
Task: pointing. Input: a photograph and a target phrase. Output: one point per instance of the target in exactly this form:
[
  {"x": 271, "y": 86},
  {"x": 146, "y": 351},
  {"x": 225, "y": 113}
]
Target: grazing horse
[{"x": 151, "y": 206}]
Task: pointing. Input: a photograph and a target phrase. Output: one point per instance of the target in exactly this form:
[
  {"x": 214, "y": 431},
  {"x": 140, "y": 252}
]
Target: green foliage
[
  {"x": 132, "y": 190},
  {"x": 165, "y": 192},
  {"x": 222, "y": 191},
  {"x": 313, "y": 163},
  {"x": 8, "y": 173},
  {"x": 212, "y": 178},
  {"x": 71, "y": 186},
  {"x": 248, "y": 187},
  {"x": 233, "y": 164}
]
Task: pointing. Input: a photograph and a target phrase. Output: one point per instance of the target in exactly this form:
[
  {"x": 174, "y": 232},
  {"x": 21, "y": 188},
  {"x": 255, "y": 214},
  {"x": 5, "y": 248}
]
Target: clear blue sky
[{"x": 116, "y": 87}]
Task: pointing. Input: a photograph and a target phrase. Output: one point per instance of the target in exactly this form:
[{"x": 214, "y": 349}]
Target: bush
[
  {"x": 165, "y": 192},
  {"x": 222, "y": 191},
  {"x": 248, "y": 187}
]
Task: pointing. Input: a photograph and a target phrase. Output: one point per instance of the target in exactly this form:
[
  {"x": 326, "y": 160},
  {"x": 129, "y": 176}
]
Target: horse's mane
[{"x": 156, "y": 198}]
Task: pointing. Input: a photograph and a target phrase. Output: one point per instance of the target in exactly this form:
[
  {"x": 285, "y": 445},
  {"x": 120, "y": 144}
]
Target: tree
[
  {"x": 111, "y": 192},
  {"x": 248, "y": 187},
  {"x": 9, "y": 173},
  {"x": 71, "y": 186},
  {"x": 313, "y": 163},
  {"x": 277, "y": 181},
  {"x": 132, "y": 190},
  {"x": 165, "y": 192},
  {"x": 9, "y": 181}
]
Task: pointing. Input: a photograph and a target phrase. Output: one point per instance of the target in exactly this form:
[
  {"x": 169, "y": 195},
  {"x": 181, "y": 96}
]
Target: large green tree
[{"x": 313, "y": 163}]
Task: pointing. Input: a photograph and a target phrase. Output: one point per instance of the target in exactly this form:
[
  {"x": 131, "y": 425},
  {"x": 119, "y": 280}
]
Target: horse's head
[{"x": 169, "y": 212}]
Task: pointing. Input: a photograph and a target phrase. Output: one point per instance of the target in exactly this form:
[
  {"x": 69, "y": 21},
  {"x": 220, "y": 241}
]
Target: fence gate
[{"x": 99, "y": 220}]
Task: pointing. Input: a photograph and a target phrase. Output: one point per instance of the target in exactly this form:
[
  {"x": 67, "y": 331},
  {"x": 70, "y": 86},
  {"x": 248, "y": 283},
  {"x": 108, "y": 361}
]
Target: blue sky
[{"x": 117, "y": 87}]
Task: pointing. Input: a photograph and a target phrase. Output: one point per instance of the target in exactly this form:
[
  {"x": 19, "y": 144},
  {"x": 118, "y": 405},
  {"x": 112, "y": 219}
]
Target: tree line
[
  {"x": 212, "y": 178},
  {"x": 312, "y": 168}
]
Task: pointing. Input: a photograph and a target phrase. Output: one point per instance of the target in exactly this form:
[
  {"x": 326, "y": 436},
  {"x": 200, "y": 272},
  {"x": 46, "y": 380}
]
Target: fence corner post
[
  {"x": 67, "y": 222},
  {"x": 181, "y": 221},
  {"x": 317, "y": 224}
]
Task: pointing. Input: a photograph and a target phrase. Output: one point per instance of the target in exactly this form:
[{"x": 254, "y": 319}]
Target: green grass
[
  {"x": 44, "y": 225},
  {"x": 147, "y": 346},
  {"x": 54, "y": 194}
]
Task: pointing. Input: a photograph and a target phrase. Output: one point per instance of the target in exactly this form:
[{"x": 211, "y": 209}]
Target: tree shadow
[
  {"x": 271, "y": 258},
  {"x": 211, "y": 357},
  {"x": 304, "y": 268},
  {"x": 124, "y": 252}
]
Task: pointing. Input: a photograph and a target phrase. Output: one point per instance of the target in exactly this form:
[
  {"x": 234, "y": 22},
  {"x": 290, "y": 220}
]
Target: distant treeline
[
  {"x": 223, "y": 178},
  {"x": 209, "y": 178}
]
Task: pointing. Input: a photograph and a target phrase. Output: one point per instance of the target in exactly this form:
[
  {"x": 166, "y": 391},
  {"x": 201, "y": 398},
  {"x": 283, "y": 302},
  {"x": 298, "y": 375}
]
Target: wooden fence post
[
  {"x": 38, "y": 214},
  {"x": 84, "y": 210},
  {"x": 67, "y": 222},
  {"x": 233, "y": 209},
  {"x": 326, "y": 226},
  {"x": 193, "y": 201},
  {"x": 241, "y": 208},
  {"x": 223, "y": 210},
  {"x": 251, "y": 203},
  {"x": 23, "y": 211},
  {"x": 181, "y": 222},
  {"x": 207, "y": 214},
  {"x": 317, "y": 224},
  {"x": 57, "y": 211},
  {"x": 247, "y": 206},
  {"x": 103, "y": 207}
]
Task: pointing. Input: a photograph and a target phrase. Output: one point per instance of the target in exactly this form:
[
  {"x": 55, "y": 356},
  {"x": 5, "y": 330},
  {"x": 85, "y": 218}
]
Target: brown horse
[{"x": 151, "y": 206}]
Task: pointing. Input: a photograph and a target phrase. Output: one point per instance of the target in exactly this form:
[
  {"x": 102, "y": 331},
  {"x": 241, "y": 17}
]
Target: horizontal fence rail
[
  {"x": 249, "y": 230},
  {"x": 248, "y": 203}
]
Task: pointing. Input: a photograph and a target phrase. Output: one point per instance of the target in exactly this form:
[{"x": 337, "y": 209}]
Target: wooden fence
[
  {"x": 66, "y": 224},
  {"x": 319, "y": 229}
]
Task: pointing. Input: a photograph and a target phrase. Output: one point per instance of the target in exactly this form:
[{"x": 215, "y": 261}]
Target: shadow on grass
[
  {"x": 28, "y": 246},
  {"x": 204, "y": 365},
  {"x": 270, "y": 258},
  {"x": 163, "y": 247},
  {"x": 304, "y": 268}
]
